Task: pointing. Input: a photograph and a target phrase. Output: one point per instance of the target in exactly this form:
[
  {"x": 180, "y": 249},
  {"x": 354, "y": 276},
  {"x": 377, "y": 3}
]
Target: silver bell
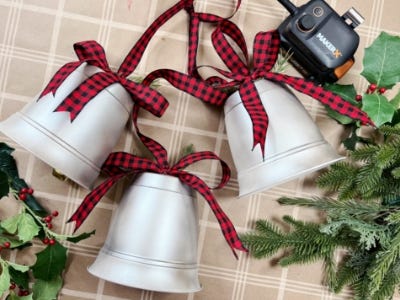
[
  {"x": 294, "y": 144},
  {"x": 76, "y": 149},
  {"x": 152, "y": 240}
]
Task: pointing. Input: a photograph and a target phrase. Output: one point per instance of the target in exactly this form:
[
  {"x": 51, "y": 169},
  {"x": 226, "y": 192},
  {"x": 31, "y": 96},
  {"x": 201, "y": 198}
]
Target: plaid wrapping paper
[{"x": 35, "y": 40}]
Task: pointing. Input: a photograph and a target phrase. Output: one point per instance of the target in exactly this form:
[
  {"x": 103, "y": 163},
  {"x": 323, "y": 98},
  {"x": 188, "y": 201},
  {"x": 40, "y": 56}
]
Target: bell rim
[
  {"x": 104, "y": 260},
  {"x": 314, "y": 163},
  {"x": 18, "y": 122}
]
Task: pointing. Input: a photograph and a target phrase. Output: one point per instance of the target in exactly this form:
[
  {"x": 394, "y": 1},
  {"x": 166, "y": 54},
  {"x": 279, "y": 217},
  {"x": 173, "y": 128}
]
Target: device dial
[{"x": 306, "y": 23}]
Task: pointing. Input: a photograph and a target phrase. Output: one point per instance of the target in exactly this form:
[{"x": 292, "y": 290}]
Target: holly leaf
[
  {"x": 14, "y": 296},
  {"x": 4, "y": 278},
  {"x": 50, "y": 262},
  {"x": 23, "y": 225},
  {"x": 21, "y": 278},
  {"x": 378, "y": 108},
  {"x": 27, "y": 228},
  {"x": 11, "y": 224},
  {"x": 381, "y": 61},
  {"x": 396, "y": 101},
  {"x": 47, "y": 290},
  {"x": 4, "y": 187},
  {"x": 78, "y": 238},
  {"x": 8, "y": 164},
  {"x": 348, "y": 93}
]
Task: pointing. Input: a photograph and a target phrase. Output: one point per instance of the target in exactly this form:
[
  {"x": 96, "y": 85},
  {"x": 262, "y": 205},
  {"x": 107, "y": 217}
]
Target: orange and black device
[{"x": 321, "y": 42}]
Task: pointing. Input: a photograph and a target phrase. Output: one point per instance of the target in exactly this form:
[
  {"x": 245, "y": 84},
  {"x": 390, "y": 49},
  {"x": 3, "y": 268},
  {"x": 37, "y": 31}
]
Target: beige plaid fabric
[{"x": 36, "y": 38}]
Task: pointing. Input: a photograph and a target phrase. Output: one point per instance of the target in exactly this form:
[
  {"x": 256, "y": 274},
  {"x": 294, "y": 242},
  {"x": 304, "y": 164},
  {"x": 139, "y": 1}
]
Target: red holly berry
[
  {"x": 382, "y": 90},
  {"x": 13, "y": 286},
  {"x": 24, "y": 190},
  {"x": 52, "y": 241},
  {"x": 372, "y": 87},
  {"x": 7, "y": 245},
  {"x": 46, "y": 240},
  {"x": 49, "y": 225},
  {"x": 358, "y": 97},
  {"x": 54, "y": 213},
  {"x": 22, "y": 196},
  {"x": 47, "y": 219}
]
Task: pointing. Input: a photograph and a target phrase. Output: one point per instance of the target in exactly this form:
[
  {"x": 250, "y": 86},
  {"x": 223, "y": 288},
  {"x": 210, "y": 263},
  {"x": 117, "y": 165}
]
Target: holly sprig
[
  {"x": 31, "y": 224},
  {"x": 381, "y": 69}
]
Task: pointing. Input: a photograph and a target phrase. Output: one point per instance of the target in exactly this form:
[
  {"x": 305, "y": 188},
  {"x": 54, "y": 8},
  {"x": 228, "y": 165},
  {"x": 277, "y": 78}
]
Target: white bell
[
  {"x": 152, "y": 240},
  {"x": 294, "y": 144},
  {"x": 76, "y": 149}
]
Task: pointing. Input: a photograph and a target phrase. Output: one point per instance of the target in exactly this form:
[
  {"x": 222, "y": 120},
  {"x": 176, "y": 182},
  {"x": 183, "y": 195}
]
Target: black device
[{"x": 322, "y": 43}]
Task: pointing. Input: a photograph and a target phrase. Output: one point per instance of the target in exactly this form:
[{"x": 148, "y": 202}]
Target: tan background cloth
[{"x": 36, "y": 38}]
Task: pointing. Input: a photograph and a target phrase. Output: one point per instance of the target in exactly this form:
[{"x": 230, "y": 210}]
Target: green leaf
[
  {"x": 378, "y": 108},
  {"x": 19, "y": 275},
  {"x": 8, "y": 165},
  {"x": 348, "y": 93},
  {"x": 27, "y": 228},
  {"x": 13, "y": 296},
  {"x": 4, "y": 187},
  {"x": 396, "y": 101},
  {"x": 5, "y": 148},
  {"x": 78, "y": 238},
  {"x": 18, "y": 267},
  {"x": 50, "y": 262},
  {"x": 47, "y": 290},
  {"x": 381, "y": 61},
  {"x": 23, "y": 225},
  {"x": 11, "y": 224},
  {"x": 4, "y": 278}
]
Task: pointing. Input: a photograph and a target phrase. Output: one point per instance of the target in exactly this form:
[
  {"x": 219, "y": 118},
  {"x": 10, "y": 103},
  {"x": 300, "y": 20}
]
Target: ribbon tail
[
  {"x": 146, "y": 97},
  {"x": 59, "y": 78},
  {"x": 328, "y": 98},
  {"x": 91, "y": 201},
  {"x": 85, "y": 92},
  {"x": 259, "y": 118},
  {"x": 225, "y": 223}
]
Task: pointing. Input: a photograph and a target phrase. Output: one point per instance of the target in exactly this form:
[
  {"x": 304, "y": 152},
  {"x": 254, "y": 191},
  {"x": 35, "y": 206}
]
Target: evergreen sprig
[{"x": 363, "y": 220}]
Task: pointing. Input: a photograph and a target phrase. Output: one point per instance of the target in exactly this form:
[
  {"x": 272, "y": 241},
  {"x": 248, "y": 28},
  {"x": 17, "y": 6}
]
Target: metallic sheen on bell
[
  {"x": 76, "y": 149},
  {"x": 152, "y": 240},
  {"x": 294, "y": 144}
]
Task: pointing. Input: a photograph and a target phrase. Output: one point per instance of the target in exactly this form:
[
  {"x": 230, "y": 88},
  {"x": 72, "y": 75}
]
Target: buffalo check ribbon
[
  {"x": 121, "y": 164},
  {"x": 192, "y": 83},
  {"x": 265, "y": 54},
  {"x": 92, "y": 53}
]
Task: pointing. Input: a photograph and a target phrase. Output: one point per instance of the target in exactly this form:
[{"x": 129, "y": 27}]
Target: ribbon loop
[
  {"x": 92, "y": 53},
  {"x": 265, "y": 54},
  {"x": 121, "y": 164}
]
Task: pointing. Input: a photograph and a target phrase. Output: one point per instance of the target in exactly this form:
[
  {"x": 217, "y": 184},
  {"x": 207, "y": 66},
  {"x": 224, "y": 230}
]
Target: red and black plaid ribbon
[
  {"x": 120, "y": 164},
  {"x": 192, "y": 83},
  {"x": 92, "y": 53},
  {"x": 265, "y": 53}
]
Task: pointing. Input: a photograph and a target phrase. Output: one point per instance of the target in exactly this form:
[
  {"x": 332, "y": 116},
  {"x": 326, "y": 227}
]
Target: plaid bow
[
  {"x": 92, "y": 53},
  {"x": 265, "y": 54},
  {"x": 121, "y": 164}
]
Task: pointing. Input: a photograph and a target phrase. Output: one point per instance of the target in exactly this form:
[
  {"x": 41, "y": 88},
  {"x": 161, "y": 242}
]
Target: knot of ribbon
[
  {"x": 265, "y": 54},
  {"x": 120, "y": 164},
  {"x": 92, "y": 53}
]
